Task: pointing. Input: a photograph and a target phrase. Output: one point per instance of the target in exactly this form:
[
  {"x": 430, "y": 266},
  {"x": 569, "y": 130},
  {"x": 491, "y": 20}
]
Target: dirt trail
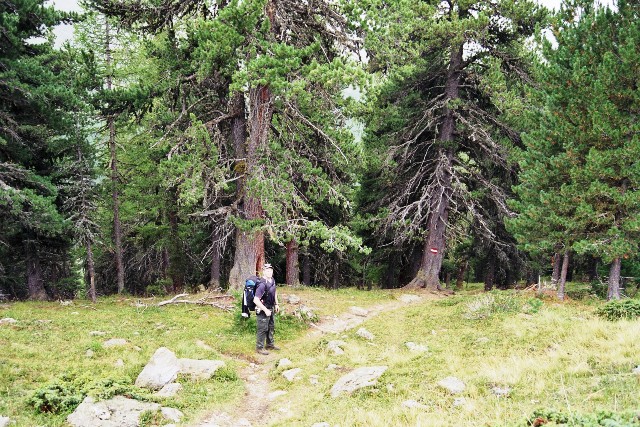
[{"x": 256, "y": 375}]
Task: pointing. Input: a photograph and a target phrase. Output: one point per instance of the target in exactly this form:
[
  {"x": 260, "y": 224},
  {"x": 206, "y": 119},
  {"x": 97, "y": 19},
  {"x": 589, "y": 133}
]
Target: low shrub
[
  {"x": 620, "y": 309},
  {"x": 602, "y": 418},
  {"x": 492, "y": 303}
]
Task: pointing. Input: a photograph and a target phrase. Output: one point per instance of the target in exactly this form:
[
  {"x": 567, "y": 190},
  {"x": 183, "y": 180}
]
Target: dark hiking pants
[{"x": 265, "y": 329}]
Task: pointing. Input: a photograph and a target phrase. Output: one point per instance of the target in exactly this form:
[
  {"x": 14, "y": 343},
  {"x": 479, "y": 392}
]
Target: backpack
[{"x": 248, "y": 294}]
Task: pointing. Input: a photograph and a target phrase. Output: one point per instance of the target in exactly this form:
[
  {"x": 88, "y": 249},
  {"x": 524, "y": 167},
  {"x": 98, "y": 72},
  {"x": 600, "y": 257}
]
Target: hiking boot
[
  {"x": 262, "y": 351},
  {"x": 273, "y": 347}
]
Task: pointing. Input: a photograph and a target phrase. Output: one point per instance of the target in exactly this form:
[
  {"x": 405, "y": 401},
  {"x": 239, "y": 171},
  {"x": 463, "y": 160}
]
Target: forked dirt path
[{"x": 257, "y": 411}]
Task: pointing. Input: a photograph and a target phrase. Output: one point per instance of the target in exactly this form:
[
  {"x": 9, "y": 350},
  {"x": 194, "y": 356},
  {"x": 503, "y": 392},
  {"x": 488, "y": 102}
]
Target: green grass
[{"x": 553, "y": 356}]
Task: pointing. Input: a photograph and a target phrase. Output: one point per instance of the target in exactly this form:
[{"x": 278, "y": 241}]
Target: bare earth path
[{"x": 256, "y": 375}]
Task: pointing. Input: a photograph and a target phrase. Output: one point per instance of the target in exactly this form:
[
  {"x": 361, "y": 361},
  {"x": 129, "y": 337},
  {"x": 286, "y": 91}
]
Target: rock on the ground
[
  {"x": 162, "y": 369},
  {"x": 331, "y": 367},
  {"x": 291, "y": 373},
  {"x": 119, "y": 363},
  {"x": 293, "y": 299},
  {"x": 501, "y": 391},
  {"x": 8, "y": 321},
  {"x": 171, "y": 414},
  {"x": 116, "y": 412},
  {"x": 314, "y": 379},
  {"x": 114, "y": 342},
  {"x": 321, "y": 425},
  {"x": 409, "y": 298},
  {"x": 636, "y": 370},
  {"x": 89, "y": 353},
  {"x": 359, "y": 311},
  {"x": 356, "y": 379},
  {"x": 4, "y": 421},
  {"x": 276, "y": 394},
  {"x": 362, "y": 332},
  {"x": 336, "y": 346},
  {"x": 169, "y": 390},
  {"x": 199, "y": 369},
  {"x": 412, "y": 404},
  {"x": 452, "y": 384},
  {"x": 418, "y": 348},
  {"x": 305, "y": 313},
  {"x": 284, "y": 363},
  {"x": 97, "y": 333},
  {"x": 483, "y": 340}
]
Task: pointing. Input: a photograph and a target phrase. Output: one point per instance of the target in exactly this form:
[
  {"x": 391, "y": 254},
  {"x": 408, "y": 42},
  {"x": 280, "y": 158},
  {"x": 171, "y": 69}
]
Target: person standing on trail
[{"x": 266, "y": 300}]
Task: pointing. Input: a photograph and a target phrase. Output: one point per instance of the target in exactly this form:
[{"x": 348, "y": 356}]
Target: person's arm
[{"x": 277, "y": 307}]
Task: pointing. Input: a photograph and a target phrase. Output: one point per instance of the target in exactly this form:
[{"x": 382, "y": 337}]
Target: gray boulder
[
  {"x": 114, "y": 342},
  {"x": 116, "y": 412},
  {"x": 162, "y": 369},
  {"x": 356, "y": 379},
  {"x": 336, "y": 346},
  {"x": 291, "y": 374},
  {"x": 4, "y": 421},
  {"x": 171, "y": 414},
  {"x": 358, "y": 311},
  {"x": 169, "y": 390},
  {"x": 8, "y": 321},
  {"x": 199, "y": 369},
  {"x": 362, "y": 332},
  {"x": 293, "y": 299},
  {"x": 418, "y": 348}
]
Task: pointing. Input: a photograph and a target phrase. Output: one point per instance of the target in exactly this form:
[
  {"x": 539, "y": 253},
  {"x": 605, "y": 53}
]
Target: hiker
[{"x": 266, "y": 300}]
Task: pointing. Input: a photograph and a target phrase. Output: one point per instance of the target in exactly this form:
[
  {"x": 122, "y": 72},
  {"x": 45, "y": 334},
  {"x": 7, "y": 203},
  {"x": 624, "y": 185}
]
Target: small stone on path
[
  {"x": 114, "y": 342},
  {"x": 4, "y": 421},
  {"x": 293, "y": 299},
  {"x": 284, "y": 363},
  {"x": 452, "y": 384},
  {"x": 89, "y": 353},
  {"x": 203, "y": 345},
  {"x": 362, "y": 332},
  {"x": 358, "y": 311},
  {"x": 332, "y": 367},
  {"x": 162, "y": 369},
  {"x": 501, "y": 391},
  {"x": 97, "y": 333},
  {"x": 291, "y": 373},
  {"x": 171, "y": 414},
  {"x": 636, "y": 370},
  {"x": 8, "y": 321},
  {"x": 335, "y": 346}
]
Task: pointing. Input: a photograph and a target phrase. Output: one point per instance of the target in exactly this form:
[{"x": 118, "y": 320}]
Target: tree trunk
[
  {"x": 306, "y": 268},
  {"x": 434, "y": 246},
  {"x": 117, "y": 227},
  {"x": 563, "y": 275},
  {"x": 462, "y": 271},
  {"x": 92, "y": 273},
  {"x": 293, "y": 270},
  {"x": 176, "y": 257},
  {"x": 216, "y": 257},
  {"x": 249, "y": 254},
  {"x": 557, "y": 264},
  {"x": 335, "y": 282},
  {"x": 35, "y": 284},
  {"x": 490, "y": 273},
  {"x": 614, "y": 279}
]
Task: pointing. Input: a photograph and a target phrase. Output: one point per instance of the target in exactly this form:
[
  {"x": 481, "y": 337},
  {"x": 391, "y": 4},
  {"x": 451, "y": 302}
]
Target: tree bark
[
  {"x": 557, "y": 265},
  {"x": 117, "y": 227},
  {"x": 614, "y": 279},
  {"x": 249, "y": 253},
  {"x": 428, "y": 276},
  {"x": 92, "y": 273},
  {"x": 335, "y": 282},
  {"x": 216, "y": 257},
  {"x": 35, "y": 284},
  {"x": 563, "y": 276},
  {"x": 490, "y": 273},
  {"x": 306, "y": 268},
  {"x": 176, "y": 264},
  {"x": 293, "y": 268}
]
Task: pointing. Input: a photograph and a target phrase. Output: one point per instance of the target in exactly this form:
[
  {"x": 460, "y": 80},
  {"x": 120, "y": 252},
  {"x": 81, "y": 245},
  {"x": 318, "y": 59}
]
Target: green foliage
[
  {"x": 551, "y": 417},
  {"x": 64, "y": 394},
  {"x": 620, "y": 309}
]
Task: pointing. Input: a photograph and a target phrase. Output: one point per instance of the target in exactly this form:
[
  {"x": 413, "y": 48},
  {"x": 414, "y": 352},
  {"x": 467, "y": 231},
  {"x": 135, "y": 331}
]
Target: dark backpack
[{"x": 250, "y": 286}]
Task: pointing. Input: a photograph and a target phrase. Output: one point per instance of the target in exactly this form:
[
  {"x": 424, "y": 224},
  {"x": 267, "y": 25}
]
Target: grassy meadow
[{"x": 551, "y": 356}]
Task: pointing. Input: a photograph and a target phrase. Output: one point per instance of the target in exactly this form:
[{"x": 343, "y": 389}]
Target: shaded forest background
[{"x": 175, "y": 144}]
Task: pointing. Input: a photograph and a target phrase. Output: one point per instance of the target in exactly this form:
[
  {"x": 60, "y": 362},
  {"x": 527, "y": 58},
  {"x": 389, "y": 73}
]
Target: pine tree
[{"x": 449, "y": 69}]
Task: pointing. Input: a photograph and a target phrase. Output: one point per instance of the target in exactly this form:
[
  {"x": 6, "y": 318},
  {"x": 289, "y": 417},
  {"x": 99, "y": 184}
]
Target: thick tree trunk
[
  {"x": 117, "y": 227},
  {"x": 462, "y": 271},
  {"x": 306, "y": 268},
  {"x": 614, "y": 279},
  {"x": 176, "y": 260},
  {"x": 249, "y": 253},
  {"x": 434, "y": 247},
  {"x": 335, "y": 282},
  {"x": 35, "y": 284},
  {"x": 563, "y": 276},
  {"x": 293, "y": 269},
  {"x": 92, "y": 273},
  {"x": 557, "y": 265}
]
